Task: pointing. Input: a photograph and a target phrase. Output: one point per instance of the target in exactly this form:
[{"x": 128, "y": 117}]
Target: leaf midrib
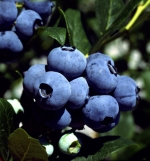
[{"x": 26, "y": 150}]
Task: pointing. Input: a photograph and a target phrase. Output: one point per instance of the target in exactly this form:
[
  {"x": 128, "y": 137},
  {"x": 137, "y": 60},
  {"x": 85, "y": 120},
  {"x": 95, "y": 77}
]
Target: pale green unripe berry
[
  {"x": 49, "y": 149},
  {"x": 69, "y": 144}
]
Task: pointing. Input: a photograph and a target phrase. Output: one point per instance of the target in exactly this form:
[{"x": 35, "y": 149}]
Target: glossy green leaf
[
  {"x": 124, "y": 15},
  {"x": 69, "y": 35},
  {"x": 79, "y": 38},
  {"x": 24, "y": 148},
  {"x": 6, "y": 126},
  {"x": 56, "y": 33},
  {"x": 119, "y": 23},
  {"x": 107, "y": 145},
  {"x": 106, "y": 12}
]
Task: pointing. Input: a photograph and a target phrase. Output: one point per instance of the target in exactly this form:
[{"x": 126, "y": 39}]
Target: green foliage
[
  {"x": 56, "y": 33},
  {"x": 117, "y": 23},
  {"x": 77, "y": 32},
  {"x": 24, "y": 148},
  {"x": 110, "y": 10},
  {"x": 6, "y": 126},
  {"x": 106, "y": 147}
]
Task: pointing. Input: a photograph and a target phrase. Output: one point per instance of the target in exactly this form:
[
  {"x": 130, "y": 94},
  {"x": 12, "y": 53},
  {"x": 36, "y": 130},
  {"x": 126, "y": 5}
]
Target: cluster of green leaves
[{"x": 112, "y": 19}]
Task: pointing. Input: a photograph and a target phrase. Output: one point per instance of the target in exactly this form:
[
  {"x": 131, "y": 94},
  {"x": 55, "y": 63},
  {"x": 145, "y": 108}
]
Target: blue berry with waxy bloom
[
  {"x": 67, "y": 60},
  {"x": 26, "y": 23},
  {"x": 8, "y": 14},
  {"x": 42, "y": 7},
  {"x": 100, "y": 56},
  {"x": 107, "y": 126},
  {"x": 10, "y": 46},
  {"x": 79, "y": 93},
  {"x": 126, "y": 93},
  {"x": 52, "y": 90},
  {"x": 100, "y": 110},
  {"x": 30, "y": 76},
  {"x": 101, "y": 76}
]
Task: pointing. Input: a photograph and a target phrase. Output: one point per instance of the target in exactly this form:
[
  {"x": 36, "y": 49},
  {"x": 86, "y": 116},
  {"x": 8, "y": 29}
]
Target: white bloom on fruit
[{"x": 69, "y": 144}]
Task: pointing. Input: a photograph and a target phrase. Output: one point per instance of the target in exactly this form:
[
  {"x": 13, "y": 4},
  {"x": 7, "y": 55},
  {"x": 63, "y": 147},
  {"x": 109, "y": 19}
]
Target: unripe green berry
[
  {"x": 49, "y": 149},
  {"x": 69, "y": 144}
]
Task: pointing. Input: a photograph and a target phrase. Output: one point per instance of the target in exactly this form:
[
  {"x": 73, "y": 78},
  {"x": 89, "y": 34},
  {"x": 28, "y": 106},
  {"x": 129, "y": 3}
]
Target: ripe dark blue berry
[
  {"x": 107, "y": 127},
  {"x": 26, "y": 23},
  {"x": 79, "y": 93},
  {"x": 52, "y": 90},
  {"x": 10, "y": 46},
  {"x": 8, "y": 14},
  {"x": 31, "y": 75},
  {"x": 67, "y": 60},
  {"x": 42, "y": 7},
  {"x": 126, "y": 93},
  {"x": 101, "y": 76},
  {"x": 100, "y": 111},
  {"x": 100, "y": 56}
]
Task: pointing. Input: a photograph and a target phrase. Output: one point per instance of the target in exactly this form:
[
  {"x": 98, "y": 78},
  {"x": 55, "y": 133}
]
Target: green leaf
[
  {"x": 69, "y": 36},
  {"x": 79, "y": 38},
  {"x": 106, "y": 12},
  {"x": 6, "y": 126},
  {"x": 124, "y": 15},
  {"x": 117, "y": 25},
  {"x": 107, "y": 145},
  {"x": 25, "y": 148},
  {"x": 57, "y": 33}
]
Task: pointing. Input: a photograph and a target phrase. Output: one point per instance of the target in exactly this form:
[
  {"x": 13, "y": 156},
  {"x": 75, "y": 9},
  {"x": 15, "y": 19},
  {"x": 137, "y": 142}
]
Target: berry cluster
[
  {"x": 17, "y": 27},
  {"x": 72, "y": 90}
]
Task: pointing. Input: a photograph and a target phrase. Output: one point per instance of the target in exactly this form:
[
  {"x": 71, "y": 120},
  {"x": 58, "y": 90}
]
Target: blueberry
[
  {"x": 42, "y": 7},
  {"x": 100, "y": 111},
  {"x": 26, "y": 23},
  {"x": 100, "y": 56},
  {"x": 33, "y": 73},
  {"x": 10, "y": 46},
  {"x": 53, "y": 119},
  {"x": 101, "y": 76},
  {"x": 104, "y": 128},
  {"x": 52, "y": 90},
  {"x": 79, "y": 93},
  {"x": 8, "y": 14},
  {"x": 67, "y": 60},
  {"x": 126, "y": 93}
]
